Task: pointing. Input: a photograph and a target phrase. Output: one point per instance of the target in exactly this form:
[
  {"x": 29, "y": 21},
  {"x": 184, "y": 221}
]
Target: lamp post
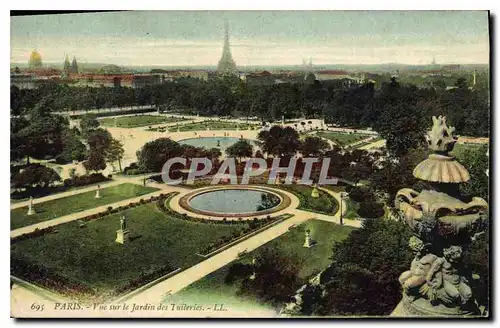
[{"x": 343, "y": 195}]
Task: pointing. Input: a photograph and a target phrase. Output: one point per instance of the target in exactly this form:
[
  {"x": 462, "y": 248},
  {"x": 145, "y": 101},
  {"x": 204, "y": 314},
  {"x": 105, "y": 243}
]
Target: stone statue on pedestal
[
  {"x": 122, "y": 235},
  {"x": 253, "y": 276},
  {"x": 308, "y": 243},
  {"x": 31, "y": 208},
  {"x": 443, "y": 224},
  {"x": 315, "y": 192},
  {"x": 97, "y": 194},
  {"x": 123, "y": 223}
]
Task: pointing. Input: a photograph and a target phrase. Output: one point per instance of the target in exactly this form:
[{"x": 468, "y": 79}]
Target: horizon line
[{"x": 299, "y": 65}]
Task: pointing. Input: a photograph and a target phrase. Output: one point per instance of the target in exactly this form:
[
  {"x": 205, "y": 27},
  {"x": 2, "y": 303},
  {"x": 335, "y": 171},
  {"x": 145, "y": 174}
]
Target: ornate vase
[{"x": 443, "y": 225}]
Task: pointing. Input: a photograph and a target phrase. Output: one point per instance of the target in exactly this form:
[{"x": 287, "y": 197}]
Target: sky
[{"x": 257, "y": 38}]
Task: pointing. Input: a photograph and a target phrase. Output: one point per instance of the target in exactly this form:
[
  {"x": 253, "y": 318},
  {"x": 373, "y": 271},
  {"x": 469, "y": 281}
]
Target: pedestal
[
  {"x": 308, "y": 243},
  {"x": 31, "y": 211},
  {"x": 315, "y": 193},
  {"x": 122, "y": 236},
  {"x": 423, "y": 309},
  {"x": 97, "y": 194}
]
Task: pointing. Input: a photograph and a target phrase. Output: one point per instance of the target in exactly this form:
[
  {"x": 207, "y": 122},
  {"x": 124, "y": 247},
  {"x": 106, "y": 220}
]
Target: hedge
[{"x": 84, "y": 180}]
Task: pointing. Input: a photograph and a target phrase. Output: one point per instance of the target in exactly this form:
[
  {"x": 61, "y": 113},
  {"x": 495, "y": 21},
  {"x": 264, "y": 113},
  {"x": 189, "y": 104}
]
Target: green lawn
[
  {"x": 364, "y": 143},
  {"x": 213, "y": 289},
  {"x": 352, "y": 209},
  {"x": 325, "y": 203},
  {"x": 342, "y": 139},
  {"x": 316, "y": 258},
  {"x": 213, "y": 125},
  {"x": 76, "y": 203},
  {"x": 91, "y": 256},
  {"x": 136, "y": 121}
]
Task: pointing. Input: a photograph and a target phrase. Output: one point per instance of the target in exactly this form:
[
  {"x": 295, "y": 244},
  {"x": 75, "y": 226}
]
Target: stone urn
[{"x": 443, "y": 225}]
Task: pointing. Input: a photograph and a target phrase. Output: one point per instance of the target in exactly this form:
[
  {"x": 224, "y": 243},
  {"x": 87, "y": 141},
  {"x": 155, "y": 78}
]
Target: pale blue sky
[{"x": 257, "y": 38}]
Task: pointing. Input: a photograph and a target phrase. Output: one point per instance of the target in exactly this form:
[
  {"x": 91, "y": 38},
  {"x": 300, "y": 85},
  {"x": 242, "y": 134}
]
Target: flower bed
[{"x": 324, "y": 204}]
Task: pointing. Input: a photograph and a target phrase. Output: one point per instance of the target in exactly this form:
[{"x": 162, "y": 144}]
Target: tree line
[{"x": 405, "y": 106}]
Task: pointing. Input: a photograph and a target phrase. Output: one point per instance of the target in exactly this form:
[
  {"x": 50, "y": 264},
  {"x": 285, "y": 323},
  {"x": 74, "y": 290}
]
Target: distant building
[
  {"x": 260, "y": 78},
  {"x": 143, "y": 80},
  {"x": 308, "y": 70},
  {"x": 194, "y": 74},
  {"x": 226, "y": 64},
  {"x": 101, "y": 80},
  {"x": 35, "y": 60},
  {"x": 66, "y": 66},
  {"x": 326, "y": 75},
  {"x": 117, "y": 81},
  {"x": 451, "y": 68},
  {"x": 74, "y": 66}
]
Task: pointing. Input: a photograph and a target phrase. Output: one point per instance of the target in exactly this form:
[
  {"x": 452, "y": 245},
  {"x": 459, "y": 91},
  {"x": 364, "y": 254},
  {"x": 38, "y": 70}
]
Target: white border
[{"x": 218, "y": 5}]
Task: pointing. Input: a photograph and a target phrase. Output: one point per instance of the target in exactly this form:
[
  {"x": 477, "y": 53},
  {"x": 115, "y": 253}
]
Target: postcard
[{"x": 250, "y": 164}]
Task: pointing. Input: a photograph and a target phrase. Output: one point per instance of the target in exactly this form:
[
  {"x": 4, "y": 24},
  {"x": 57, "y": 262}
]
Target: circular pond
[
  {"x": 213, "y": 142},
  {"x": 234, "y": 201}
]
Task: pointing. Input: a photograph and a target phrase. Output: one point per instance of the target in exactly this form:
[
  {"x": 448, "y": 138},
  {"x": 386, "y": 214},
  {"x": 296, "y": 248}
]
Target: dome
[{"x": 35, "y": 59}]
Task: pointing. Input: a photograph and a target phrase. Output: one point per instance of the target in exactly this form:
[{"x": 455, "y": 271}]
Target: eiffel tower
[{"x": 226, "y": 62}]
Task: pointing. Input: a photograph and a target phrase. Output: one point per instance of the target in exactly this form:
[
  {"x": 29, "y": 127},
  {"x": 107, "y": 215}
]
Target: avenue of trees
[{"x": 388, "y": 108}]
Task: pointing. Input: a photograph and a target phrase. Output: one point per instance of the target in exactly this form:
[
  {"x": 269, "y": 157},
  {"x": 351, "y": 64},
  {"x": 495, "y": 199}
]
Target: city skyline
[{"x": 195, "y": 38}]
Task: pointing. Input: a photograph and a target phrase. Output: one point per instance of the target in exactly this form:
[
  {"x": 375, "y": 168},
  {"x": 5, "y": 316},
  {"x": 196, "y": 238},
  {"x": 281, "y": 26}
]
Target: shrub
[
  {"x": 370, "y": 210},
  {"x": 84, "y": 180},
  {"x": 110, "y": 208},
  {"x": 361, "y": 194}
]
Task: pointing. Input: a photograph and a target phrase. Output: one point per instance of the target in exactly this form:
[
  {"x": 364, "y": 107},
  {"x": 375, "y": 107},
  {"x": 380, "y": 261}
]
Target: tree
[
  {"x": 88, "y": 123},
  {"x": 397, "y": 173},
  {"x": 40, "y": 136},
  {"x": 115, "y": 153},
  {"x": 363, "y": 276},
  {"x": 314, "y": 146},
  {"x": 276, "y": 278},
  {"x": 240, "y": 149},
  {"x": 477, "y": 260},
  {"x": 95, "y": 161},
  {"x": 73, "y": 148},
  {"x": 15, "y": 100},
  {"x": 401, "y": 116},
  {"x": 360, "y": 194},
  {"x": 476, "y": 162},
  {"x": 370, "y": 209},
  {"x": 99, "y": 140},
  {"x": 34, "y": 175},
  {"x": 153, "y": 155},
  {"x": 279, "y": 141},
  {"x": 402, "y": 127}
]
